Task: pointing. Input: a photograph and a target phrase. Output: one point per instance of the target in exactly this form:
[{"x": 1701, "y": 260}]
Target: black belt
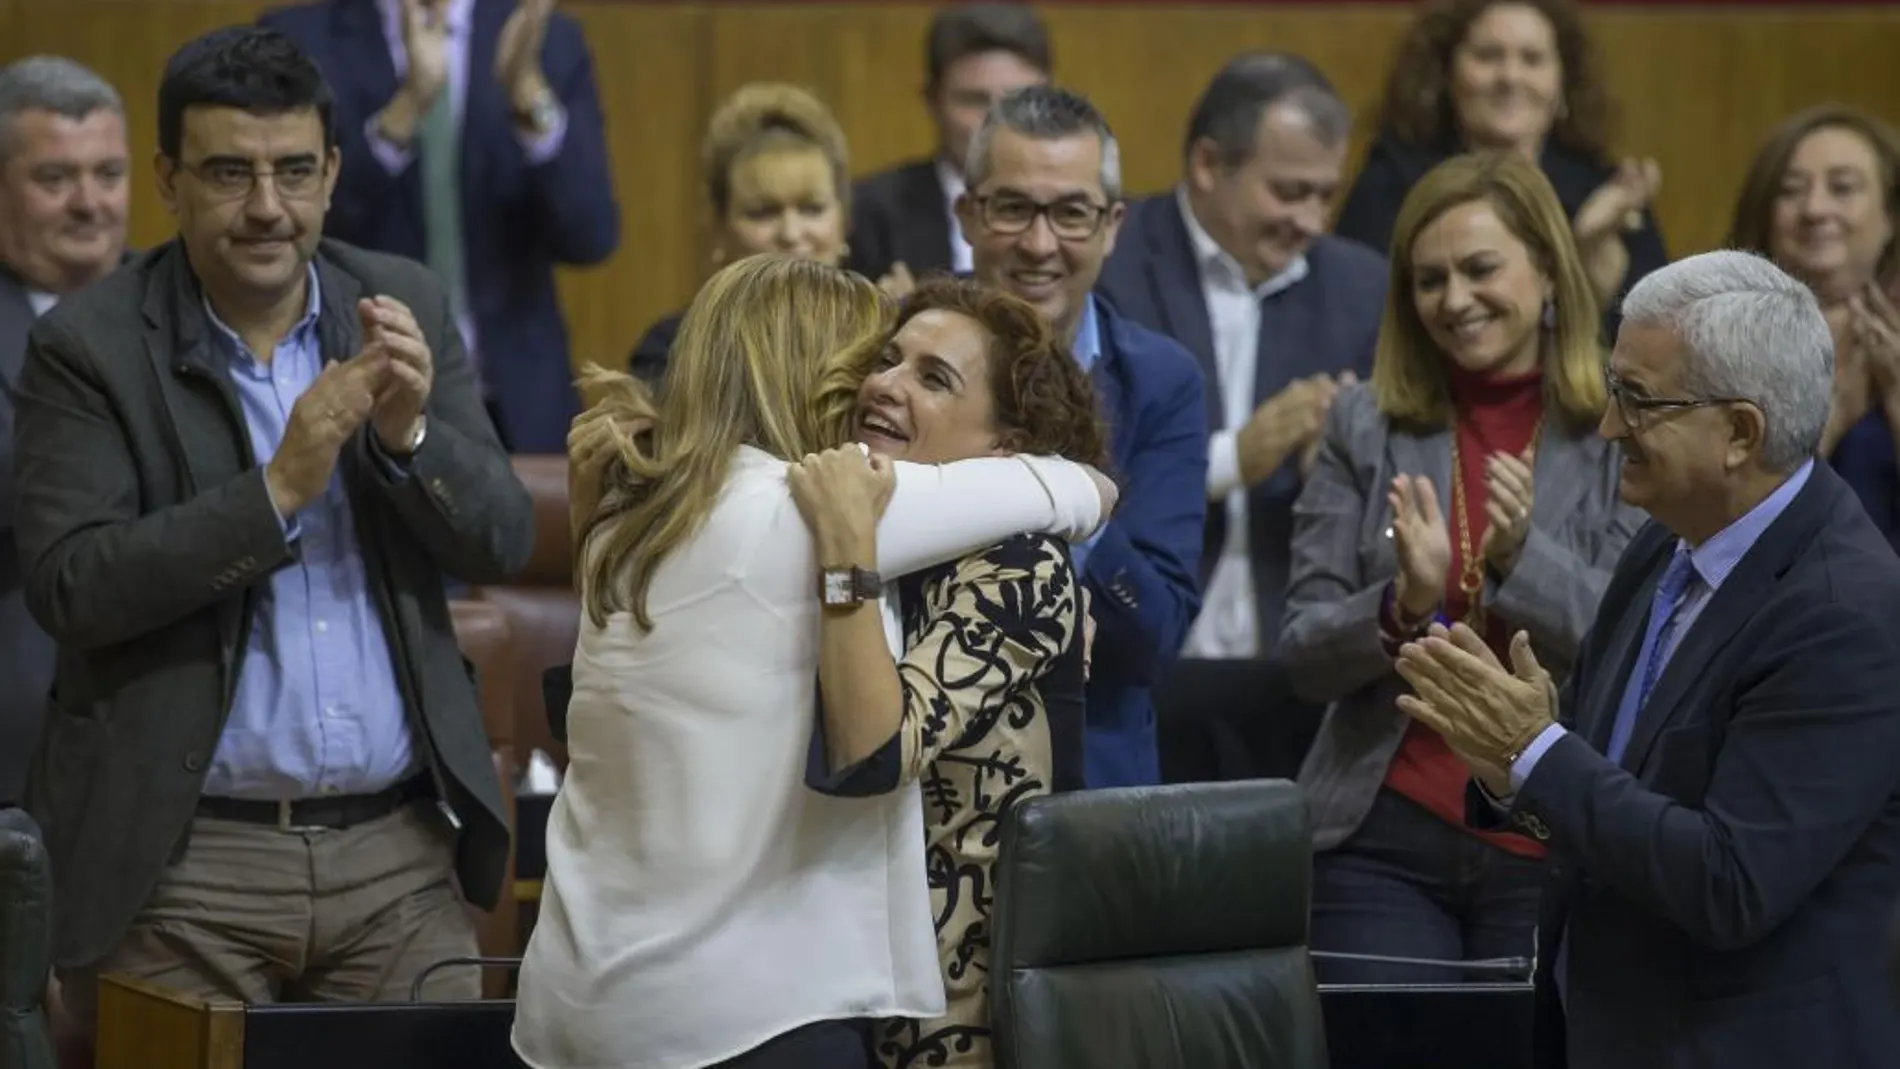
[{"x": 335, "y": 812}]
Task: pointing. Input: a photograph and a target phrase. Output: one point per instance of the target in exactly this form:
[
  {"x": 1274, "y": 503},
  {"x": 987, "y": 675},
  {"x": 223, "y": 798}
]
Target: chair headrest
[
  {"x": 1148, "y": 872},
  {"x": 552, "y": 563}
]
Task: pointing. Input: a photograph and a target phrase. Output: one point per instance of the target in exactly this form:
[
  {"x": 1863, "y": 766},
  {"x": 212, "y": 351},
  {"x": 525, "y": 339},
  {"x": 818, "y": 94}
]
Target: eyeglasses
[
  {"x": 1072, "y": 219},
  {"x": 1635, "y": 408},
  {"x": 227, "y": 180}
]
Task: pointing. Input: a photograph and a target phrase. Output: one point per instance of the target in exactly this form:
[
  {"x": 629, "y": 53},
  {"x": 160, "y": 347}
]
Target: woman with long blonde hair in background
[{"x": 701, "y": 906}]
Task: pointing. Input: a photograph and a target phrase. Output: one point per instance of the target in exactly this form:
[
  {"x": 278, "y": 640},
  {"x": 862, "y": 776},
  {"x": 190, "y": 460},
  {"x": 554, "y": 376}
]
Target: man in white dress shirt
[
  {"x": 63, "y": 205},
  {"x": 1236, "y": 265}
]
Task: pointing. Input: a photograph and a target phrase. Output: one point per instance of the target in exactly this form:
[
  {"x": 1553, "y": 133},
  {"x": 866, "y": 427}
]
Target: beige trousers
[{"x": 255, "y": 914}]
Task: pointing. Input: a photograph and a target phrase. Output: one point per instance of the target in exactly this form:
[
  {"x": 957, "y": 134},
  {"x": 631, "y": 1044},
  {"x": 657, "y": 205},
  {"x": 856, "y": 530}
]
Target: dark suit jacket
[
  {"x": 26, "y": 653},
  {"x": 1393, "y": 167},
  {"x": 1142, "y": 573},
  {"x": 1324, "y": 324},
  {"x": 146, "y": 532},
  {"x": 1722, "y": 890},
  {"x": 648, "y": 362},
  {"x": 900, "y": 214},
  {"x": 519, "y": 221}
]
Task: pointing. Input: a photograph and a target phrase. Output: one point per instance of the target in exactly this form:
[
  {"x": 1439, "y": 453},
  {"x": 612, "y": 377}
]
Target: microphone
[{"x": 1513, "y": 967}]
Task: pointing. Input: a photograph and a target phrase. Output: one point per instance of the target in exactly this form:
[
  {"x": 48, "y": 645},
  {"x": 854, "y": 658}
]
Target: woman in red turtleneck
[{"x": 1464, "y": 482}]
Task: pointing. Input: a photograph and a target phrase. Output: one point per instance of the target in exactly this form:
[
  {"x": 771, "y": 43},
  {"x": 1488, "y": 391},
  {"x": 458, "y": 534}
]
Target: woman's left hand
[
  {"x": 842, "y": 493},
  {"x": 1875, "y": 324},
  {"x": 1508, "y": 496}
]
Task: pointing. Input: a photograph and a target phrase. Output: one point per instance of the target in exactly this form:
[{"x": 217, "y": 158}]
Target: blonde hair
[
  {"x": 770, "y": 354},
  {"x": 767, "y": 116},
  {"x": 1409, "y": 379}
]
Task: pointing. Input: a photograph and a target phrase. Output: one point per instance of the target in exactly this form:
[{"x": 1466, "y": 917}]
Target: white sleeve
[{"x": 939, "y": 512}]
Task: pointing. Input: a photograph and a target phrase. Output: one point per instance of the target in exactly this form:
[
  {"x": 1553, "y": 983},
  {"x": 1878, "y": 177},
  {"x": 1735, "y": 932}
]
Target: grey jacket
[
  {"x": 146, "y": 534},
  {"x": 1343, "y": 560}
]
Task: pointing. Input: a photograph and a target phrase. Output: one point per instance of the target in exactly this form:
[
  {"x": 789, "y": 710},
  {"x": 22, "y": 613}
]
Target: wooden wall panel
[{"x": 1699, "y": 86}]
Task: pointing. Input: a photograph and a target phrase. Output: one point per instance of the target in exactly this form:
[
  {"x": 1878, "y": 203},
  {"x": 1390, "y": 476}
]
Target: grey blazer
[
  {"x": 145, "y": 530},
  {"x": 1342, "y": 561},
  {"x": 26, "y": 653}
]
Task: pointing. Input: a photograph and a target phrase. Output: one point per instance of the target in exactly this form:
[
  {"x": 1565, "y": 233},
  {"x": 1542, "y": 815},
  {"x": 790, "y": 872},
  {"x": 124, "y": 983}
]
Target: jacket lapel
[
  {"x": 1562, "y": 472},
  {"x": 16, "y": 320},
  {"x": 928, "y": 241},
  {"x": 1733, "y": 605},
  {"x": 1596, "y": 713},
  {"x": 1175, "y": 277},
  {"x": 1428, "y": 455}
]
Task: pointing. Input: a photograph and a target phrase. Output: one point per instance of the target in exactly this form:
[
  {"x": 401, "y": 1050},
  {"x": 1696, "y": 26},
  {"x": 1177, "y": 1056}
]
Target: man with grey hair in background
[
  {"x": 1235, "y": 264},
  {"x": 1718, "y": 783},
  {"x": 1041, "y": 212},
  {"x": 63, "y": 200}
]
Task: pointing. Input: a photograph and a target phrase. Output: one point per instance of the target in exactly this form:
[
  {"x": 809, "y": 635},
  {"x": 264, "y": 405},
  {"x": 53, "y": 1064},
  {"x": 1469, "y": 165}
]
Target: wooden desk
[{"x": 145, "y": 1026}]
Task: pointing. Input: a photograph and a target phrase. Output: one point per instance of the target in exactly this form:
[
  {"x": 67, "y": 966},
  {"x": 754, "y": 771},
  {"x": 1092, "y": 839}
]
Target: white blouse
[{"x": 699, "y": 900}]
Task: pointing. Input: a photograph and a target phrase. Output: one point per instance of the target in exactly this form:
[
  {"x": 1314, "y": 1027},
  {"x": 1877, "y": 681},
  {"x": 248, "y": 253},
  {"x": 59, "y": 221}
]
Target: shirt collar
[
  {"x": 950, "y": 179},
  {"x": 1088, "y": 337},
  {"x": 458, "y": 13},
  {"x": 1715, "y": 558},
  {"x": 312, "y": 306},
  {"x": 1210, "y": 256}
]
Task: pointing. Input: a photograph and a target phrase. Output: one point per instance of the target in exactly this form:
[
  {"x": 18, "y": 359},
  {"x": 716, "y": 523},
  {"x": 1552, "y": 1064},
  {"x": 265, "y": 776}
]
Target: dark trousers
[
  {"x": 824, "y": 1045},
  {"x": 1408, "y": 884},
  {"x": 1231, "y": 720}
]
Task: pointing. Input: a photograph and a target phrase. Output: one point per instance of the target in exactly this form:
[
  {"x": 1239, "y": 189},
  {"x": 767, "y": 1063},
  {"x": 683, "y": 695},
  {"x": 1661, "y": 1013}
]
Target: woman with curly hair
[
  {"x": 702, "y": 906},
  {"x": 778, "y": 180},
  {"x": 984, "y": 709},
  {"x": 1518, "y": 76}
]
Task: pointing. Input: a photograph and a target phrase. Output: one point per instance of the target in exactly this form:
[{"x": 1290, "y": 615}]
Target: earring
[{"x": 1550, "y": 314}]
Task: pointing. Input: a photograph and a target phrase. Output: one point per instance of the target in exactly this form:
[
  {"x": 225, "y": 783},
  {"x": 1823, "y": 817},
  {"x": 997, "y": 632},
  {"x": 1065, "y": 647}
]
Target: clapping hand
[
  {"x": 1486, "y": 713},
  {"x": 390, "y": 327},
  {"x": 1507, "y": 505},
  {"x": 1420, "y": 541},
  {"x": 1617, "y": 205},
  {"x": 1875, "y": 328},
  {"x": 518, "y": 53}
]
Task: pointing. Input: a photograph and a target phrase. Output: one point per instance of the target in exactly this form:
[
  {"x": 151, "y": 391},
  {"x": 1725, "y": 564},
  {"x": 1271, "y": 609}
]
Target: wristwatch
[{"x": 845, "y": 587}]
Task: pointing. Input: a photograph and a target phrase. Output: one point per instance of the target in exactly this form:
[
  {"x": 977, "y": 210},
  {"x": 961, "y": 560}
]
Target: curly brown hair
[
  {"x": 1045, "y": 405},
  {"x": 1417, "y": 108}
]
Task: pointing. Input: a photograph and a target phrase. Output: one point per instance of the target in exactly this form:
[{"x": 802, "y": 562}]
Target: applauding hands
[{"x": 1422, "y": 543}]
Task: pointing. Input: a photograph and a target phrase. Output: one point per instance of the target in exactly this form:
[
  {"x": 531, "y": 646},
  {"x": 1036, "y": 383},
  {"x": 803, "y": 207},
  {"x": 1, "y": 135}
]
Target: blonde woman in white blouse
[{"x": 701, "y": 907}]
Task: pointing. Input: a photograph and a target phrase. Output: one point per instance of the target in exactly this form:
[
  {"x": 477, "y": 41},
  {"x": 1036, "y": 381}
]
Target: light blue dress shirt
[
  {"x": 1087, "y": 349},
  {"x": 317, "y": 710}
]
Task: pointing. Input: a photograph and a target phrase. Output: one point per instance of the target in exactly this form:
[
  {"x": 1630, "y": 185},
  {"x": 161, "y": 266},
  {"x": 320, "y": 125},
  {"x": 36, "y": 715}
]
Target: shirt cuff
[
  {"x": 393, "y": 469},
  {"x": 395, "y": 160},
  {"x": 1223, "y": 465},
  {"x": 544, "y": 146},
  {"x": 1526, "y": 762}
]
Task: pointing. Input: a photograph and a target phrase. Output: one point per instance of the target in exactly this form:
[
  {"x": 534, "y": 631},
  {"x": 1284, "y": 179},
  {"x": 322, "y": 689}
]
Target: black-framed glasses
[
  {"x": 1635, "y": 408},
  {"x": 1071, "y": 218},
  {"x": 232, "y": 180}
]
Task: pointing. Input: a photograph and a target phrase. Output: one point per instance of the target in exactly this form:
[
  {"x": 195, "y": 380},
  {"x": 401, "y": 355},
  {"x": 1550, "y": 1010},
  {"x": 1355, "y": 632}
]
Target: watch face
[{"x": 837, "y": 588}]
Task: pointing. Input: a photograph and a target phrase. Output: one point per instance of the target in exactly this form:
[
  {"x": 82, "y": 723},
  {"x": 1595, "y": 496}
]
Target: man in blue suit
[
  {"x": 1236, "y": 265},
  {"x": 472, "y": 141},
  {"x": 1719, "y": 781},
  {"x": 1041, "y": 212}
]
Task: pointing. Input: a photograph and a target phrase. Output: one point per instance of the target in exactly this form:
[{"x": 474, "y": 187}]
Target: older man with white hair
[{"x": 1719, "y": 781}]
